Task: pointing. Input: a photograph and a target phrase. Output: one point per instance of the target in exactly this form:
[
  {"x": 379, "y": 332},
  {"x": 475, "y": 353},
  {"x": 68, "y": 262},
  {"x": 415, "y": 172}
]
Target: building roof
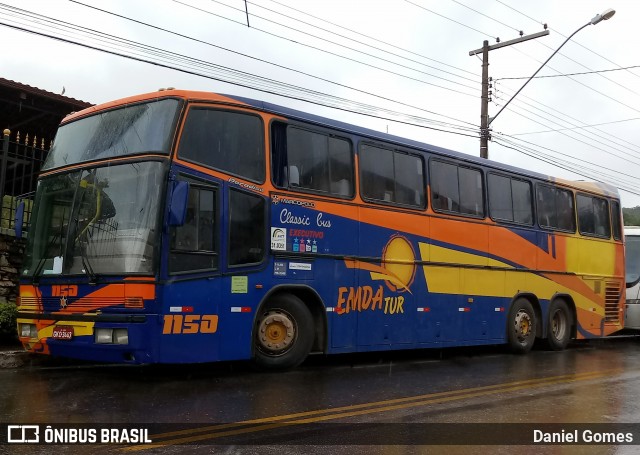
[{"x": 31, "y": 110}]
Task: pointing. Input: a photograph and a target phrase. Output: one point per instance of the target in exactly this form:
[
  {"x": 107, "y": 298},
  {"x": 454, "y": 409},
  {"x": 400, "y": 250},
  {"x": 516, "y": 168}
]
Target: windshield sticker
[
  {"x": 239, "y": 284},
  {"x": 278, "y": 239}
]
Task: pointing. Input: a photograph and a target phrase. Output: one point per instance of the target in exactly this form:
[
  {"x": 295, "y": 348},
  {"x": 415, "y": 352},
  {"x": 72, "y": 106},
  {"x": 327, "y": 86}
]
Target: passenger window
[
  {"x": 457, "y": 189},
  {"x": 510, "y": 199},
  {"x": 312, "y": 161},
  {"x": 593, "y": 216},
  {"x": 227, "y": 141},
  {"x": 392, "y": 176},
  {"x": 193, "y": 245},
  {"x": 555, "y": 208}
]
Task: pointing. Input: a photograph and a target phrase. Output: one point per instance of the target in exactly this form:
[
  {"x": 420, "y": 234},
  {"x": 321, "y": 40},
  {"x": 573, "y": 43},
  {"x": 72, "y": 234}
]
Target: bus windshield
[
  {"x": 99, "y": 220},
  {"x": 632, "y": 258},
  {"x": 134, "y": 129}
]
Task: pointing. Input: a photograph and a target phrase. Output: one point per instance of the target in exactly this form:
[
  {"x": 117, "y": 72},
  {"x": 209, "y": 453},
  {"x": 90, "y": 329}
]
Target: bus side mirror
[
  {"x": 19, "y": 219},
  {"x": 178, "y": 206}
]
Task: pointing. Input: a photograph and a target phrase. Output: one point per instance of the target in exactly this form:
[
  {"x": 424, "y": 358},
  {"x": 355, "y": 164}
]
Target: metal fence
[{"x": 20, "y": 162}]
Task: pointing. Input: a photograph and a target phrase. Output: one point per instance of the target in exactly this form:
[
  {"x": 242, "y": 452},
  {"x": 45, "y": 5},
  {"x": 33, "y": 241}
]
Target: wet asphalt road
[{"x": 374, "y": 403}]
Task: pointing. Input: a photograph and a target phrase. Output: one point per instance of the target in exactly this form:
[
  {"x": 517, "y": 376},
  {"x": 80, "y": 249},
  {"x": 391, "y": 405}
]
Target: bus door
[
  {"x": 247, "y": 275},
  {"x": 191, "y": 295}
]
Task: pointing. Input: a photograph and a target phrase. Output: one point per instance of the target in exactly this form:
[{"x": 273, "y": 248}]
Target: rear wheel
[
  {"x": 283, "y": 334},
  {"x": 559, "y": 325},
  {"x": 521, "y": 326}
]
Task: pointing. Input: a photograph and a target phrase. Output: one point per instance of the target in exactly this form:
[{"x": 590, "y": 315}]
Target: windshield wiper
[{"x": 88, "y": 269}]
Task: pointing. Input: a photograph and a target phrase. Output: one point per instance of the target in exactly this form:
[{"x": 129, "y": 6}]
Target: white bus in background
[{"x": 632, "y": 267}]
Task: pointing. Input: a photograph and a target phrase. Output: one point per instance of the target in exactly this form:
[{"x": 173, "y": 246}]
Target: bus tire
[
  {"x": 521, "y": 326},
  {"x": 284, "y": 333},
  {"x": 559, "y": 325}
]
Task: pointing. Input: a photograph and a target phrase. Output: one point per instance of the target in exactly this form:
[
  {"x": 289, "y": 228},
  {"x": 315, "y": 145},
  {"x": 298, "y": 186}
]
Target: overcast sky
[{"x": 405, "y": 60}]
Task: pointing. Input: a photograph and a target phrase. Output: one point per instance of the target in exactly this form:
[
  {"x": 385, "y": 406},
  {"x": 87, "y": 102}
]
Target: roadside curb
[{"x": 15, "y": 359}]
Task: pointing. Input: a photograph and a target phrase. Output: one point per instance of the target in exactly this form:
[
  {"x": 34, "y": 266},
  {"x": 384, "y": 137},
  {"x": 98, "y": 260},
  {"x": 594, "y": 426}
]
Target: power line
[
  {"x": 568, "y": 167},
  {"x": 266, "y": 61},
  {"x": 565, "y": 75},
  {"x": 580, "y": 167},
  {"x": 575, "y": 42},
  {"x": 452, "y": 20},
  {"x": 374, "y": 38},
  {"x": 487, "y": 16},
  {"x": 616, "y": 139},
  {"x": 242, "y": 78},
  {"x": 342, "y": 46},
  {"x": 354, "y": 40},
  {"x": 575, "y": 127},
  {"x": 583, "y": 141}
]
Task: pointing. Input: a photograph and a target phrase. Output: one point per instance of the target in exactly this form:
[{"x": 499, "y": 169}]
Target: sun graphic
[{"x": 398, "y": 258}]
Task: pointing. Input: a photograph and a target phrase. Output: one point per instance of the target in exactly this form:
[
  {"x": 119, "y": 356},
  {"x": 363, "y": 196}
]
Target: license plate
[{"x": 62, "y": 332}]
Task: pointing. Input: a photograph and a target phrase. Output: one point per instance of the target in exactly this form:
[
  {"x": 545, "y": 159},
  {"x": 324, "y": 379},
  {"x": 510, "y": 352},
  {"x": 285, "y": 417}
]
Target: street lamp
[{"x": 606, "y": 15}]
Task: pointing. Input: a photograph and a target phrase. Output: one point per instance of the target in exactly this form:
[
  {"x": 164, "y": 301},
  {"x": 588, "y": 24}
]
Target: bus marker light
[
  {"x": 500, "y": 310},
  {"x": 464, "y": 310},
  {"x": 424, "y": 310},
  {"x": 237, "y": 309},
  {"x": 181, "y": 309},
  {"x": 330, "y": 309}
]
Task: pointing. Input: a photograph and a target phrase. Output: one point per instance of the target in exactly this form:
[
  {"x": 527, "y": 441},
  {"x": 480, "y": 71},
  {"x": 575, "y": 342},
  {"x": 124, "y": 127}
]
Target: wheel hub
[
  {"x": 276, "y": 332},
  {"x": 523, "y": 325}
]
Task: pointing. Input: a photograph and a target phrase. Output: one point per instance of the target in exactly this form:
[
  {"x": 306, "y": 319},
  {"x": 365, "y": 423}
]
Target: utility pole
[{"x": 485, "y": 134}]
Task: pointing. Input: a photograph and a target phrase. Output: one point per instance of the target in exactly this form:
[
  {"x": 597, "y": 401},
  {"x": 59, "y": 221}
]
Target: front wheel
[
  {"x": 521, "y": 326},
  {"x": 559, "y": 325},
  {"x": 283, "y": 334}
]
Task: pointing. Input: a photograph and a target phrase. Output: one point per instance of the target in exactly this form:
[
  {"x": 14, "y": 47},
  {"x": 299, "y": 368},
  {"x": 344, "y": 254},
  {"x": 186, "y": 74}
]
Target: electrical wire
[
  {"x": 357, "y": 41},
  {"x": 373, "y": 38},
  {"x": 234, "y": 77},
  {"x": 575, "y": 127},
  {"x": 266, "y": 61},
  {"x": 341, "y": 46}
]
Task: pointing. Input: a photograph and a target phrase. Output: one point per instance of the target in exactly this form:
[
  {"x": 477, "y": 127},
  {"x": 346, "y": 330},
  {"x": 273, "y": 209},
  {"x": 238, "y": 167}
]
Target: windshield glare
[
  {"x": 134, "y": 129},
  {"x": 99, "y": 220}
]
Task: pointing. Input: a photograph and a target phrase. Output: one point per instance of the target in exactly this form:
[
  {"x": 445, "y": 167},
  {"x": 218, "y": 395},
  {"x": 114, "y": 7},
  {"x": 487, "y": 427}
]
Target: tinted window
[
  {"x": 555, "y": 208},
  {"x": 615, "y": 220},
  {"x": 311, "y": 160},
  {"x": 227, "y": 141},
  {"x": 247, "y": 228},
  {"x": 392, "y": 176},
  {"x": 193, "y": 245},
  {"x": 510, "y": 199},
  {"x": 376, "y": 166},
  {"x": 457, "y": 189},
  {"x": 593, "y": 216},
  {"x": 632, "y": 258}
]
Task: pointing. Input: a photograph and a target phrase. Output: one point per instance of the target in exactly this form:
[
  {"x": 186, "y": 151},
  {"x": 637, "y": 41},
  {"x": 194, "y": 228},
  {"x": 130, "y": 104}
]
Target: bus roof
[{"x": 590, "y": 186}]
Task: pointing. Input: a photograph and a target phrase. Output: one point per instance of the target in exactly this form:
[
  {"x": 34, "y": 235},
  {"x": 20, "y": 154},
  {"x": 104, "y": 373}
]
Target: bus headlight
[
  {"x": 111, "y": 336},
  {"x": 28, "y": 331},
  {"x": 121, "y": 336}
]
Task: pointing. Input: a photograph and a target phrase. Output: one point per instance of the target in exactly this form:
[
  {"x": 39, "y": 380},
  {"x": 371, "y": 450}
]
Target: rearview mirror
[
  {"x": 19, "y": 219},
  {"x": 178, "y": 203}
]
